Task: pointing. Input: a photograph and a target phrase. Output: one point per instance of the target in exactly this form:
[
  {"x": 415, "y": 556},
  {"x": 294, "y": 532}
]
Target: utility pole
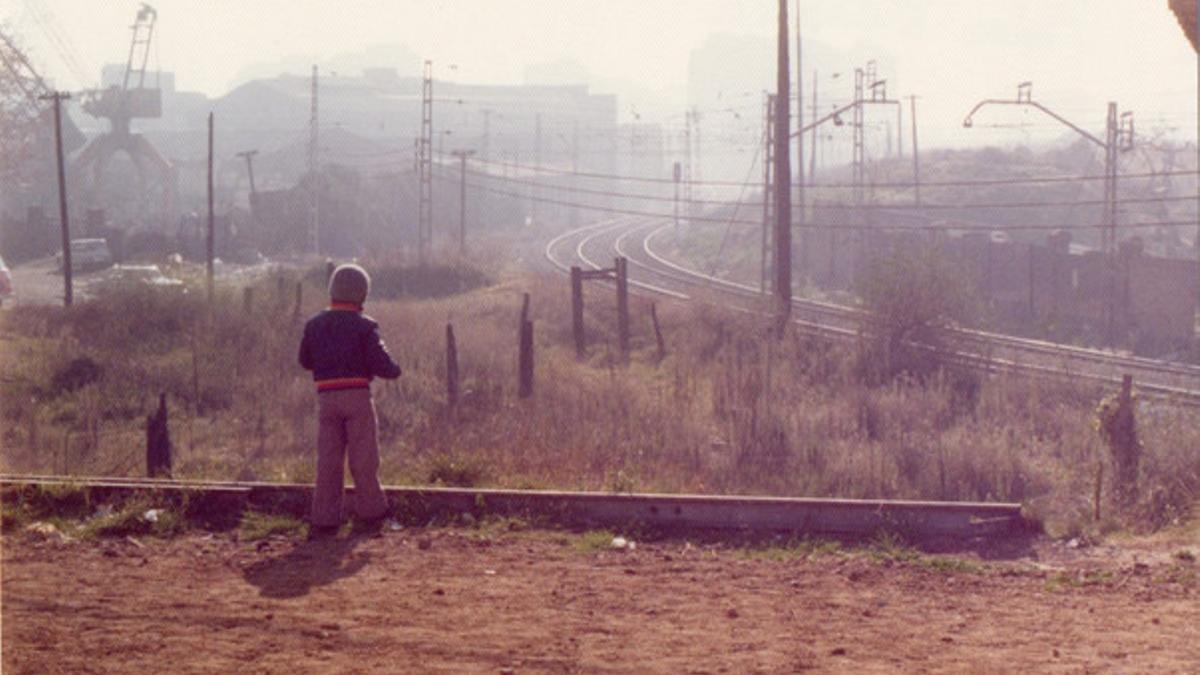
[
  {"x": 856, "y": 126},
  {"x": 314, "y": 169},
  {"x": 677, "y": 174},
  {"x": 209, "y": 243},
  {"x": 912, "y": 100},
  {"x": 800, "y": 188},
  {"x": 462, "y": 156},
  {"x": 537, "y": 162},
  {"x": 68, "y": 279},
  {"x": 863, "y": 79},
  {"x": 696, "y": 172},
  {"x": 484, "y": 154},
  {"x": 812, "y": 159},
  {"x": 425, "y": 165},
  {"x": 783, "y": 181},
  {"x": 248, "y": 155},
  {"x": 689, "y": 169},
  {"x": 1118, "y": 137},
  {"x": 575, "y": 168},
  {"x": 768, "y": 193}
]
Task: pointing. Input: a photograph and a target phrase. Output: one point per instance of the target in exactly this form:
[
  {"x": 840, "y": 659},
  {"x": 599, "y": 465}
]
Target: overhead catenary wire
[
  {"x": 950, "y": 183},
  {"x": 827, "y": 206},
  {"x": 733, "y": 217},
  {"x": 824, "y": 206},
  {"x": 819, "y": 225}
]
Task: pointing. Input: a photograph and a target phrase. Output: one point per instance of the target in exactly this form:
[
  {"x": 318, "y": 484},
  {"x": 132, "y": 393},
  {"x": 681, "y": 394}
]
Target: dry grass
[{"x": 728, "y": 411}]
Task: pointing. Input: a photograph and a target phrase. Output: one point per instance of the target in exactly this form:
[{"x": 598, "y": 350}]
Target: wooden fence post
[
  {"x": 281, "y": 291},
  {"x": 299, "y": 300},
  {"x": 622, "y": 270},
  {"x": 658, "y": 336},
  {"x": 577, "y": 311},
  {"x": 525, "y": 365},
  {"x": 1126, "y": 448},
  {"x": 329, "y": 268},
  {"x": 247, "y": 299},
  {"x": 158, "y": 442},
  {"x": 451, "y": 368}
]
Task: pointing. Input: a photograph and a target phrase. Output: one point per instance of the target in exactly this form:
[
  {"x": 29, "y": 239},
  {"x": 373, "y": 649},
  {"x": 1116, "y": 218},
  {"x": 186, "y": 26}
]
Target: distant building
[{"x": 499, "y": 122}]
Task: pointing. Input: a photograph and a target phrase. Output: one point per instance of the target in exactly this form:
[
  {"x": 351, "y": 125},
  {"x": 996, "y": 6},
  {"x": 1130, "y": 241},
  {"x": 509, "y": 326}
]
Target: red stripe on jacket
[{"x": 340, "y": 383}]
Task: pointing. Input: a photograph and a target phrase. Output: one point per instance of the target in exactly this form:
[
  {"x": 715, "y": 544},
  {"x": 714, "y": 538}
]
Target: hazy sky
[{"x": 1079, "y": 53}]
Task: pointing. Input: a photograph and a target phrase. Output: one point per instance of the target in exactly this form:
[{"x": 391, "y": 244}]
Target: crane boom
[
  {"x": 132, "y": 100},
  {"x": 143, "y": 33}
]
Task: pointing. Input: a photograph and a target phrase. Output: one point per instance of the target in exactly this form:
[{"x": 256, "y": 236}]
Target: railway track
[
  {"x": 842, "y": 517},
  {"x": 651, "y": 271}
]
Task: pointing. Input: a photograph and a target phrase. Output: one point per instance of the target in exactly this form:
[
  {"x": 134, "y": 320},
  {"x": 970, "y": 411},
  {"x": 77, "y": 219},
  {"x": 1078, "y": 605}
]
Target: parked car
[
  {"x": 6, "y": 284},
  {"x": 149, "y": 275},
  {"x": 88, "y": 254}
]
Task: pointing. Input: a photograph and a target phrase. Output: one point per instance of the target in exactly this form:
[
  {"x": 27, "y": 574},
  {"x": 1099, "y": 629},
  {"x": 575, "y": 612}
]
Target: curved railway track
[{"x": 636, "y": 238}]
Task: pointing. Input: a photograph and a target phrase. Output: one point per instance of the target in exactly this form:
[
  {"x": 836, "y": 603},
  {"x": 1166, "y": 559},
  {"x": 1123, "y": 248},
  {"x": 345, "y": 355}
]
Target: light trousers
[{"x": 348, "y": 429}]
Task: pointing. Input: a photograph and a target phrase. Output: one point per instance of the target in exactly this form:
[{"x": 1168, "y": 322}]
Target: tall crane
[{"x": 120, "y": 105}]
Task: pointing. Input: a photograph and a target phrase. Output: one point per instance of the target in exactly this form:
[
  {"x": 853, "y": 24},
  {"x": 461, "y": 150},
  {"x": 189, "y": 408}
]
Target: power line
[
  {"x": 815, "y": 206},
  {"x": 836, "y": 207},
  {"x": 812, "y": 225},
  {"x": 953, "y": 183},
  {"x": 733, "y": 217}
]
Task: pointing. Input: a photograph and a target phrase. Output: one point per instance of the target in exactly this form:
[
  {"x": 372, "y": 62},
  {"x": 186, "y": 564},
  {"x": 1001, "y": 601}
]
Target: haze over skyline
[{"x": 1079, "y": 54}]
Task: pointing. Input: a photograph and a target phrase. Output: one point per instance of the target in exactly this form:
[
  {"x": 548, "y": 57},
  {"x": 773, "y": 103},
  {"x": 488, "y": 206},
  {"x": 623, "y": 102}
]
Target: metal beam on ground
[{"x": 844, "y": 517}]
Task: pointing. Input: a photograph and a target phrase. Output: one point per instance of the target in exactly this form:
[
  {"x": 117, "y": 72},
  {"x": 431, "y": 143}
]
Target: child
[{"x": 343, "y": 350}]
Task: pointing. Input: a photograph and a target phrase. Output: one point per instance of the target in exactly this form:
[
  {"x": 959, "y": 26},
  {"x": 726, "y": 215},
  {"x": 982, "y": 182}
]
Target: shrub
[
  {"x": 910, "y": 299},
  {"x": 75, "y": 374}
]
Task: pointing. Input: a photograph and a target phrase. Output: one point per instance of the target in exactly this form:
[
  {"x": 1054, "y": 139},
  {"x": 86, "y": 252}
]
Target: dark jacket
[{"x": 344, "y": 351}]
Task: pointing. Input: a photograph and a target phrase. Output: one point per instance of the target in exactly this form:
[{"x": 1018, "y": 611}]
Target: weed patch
[
  {"x": 728, "y": 412},
  {"x": 593, "y": 541},
  {"x": 949, "y": 565},
  {"x": 456, "y": 472},
  {"x": 133, "y": 518},
  {"x": 793, "y": 549},
  {"x": 256, "y": 525}
]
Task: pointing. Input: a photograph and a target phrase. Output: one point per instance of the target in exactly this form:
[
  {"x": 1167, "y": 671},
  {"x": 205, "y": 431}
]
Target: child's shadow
[{"x": 311, "y": 563}]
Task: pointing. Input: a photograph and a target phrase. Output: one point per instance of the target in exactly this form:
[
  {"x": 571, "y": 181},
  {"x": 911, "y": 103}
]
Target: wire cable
[
  {"x": 727, "y": 183},
  {"x": 828, "y": 206},
  {"x": 733, "y": 217},
  {"x": 929, "y": 227}
]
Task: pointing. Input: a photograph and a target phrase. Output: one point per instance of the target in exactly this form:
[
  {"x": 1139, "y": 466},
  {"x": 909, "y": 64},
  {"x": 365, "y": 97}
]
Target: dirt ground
[{"x": 458, "y": 600}]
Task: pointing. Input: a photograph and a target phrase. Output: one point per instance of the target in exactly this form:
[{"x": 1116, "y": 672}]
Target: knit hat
[{"x": 349, "y": 283}]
